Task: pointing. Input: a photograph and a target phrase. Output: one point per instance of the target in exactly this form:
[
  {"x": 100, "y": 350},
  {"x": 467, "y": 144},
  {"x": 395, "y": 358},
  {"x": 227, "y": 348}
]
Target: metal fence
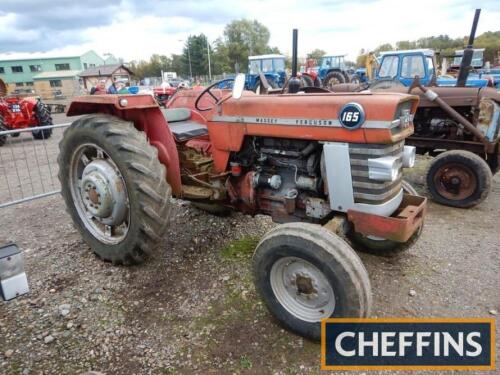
[{"x": 28, "y": 166}]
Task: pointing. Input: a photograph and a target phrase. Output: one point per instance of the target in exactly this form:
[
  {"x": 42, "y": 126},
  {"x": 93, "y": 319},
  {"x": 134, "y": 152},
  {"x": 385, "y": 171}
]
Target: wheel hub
[
  {"x": 304, "y": 284},
  {"x": 455, "y": 181},
  {"x": 103, "y": 193},
  {"x": 302, "y": 289}
]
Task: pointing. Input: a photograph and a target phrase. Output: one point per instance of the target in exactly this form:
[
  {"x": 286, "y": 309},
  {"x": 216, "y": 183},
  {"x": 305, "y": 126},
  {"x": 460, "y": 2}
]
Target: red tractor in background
[
  {"x": 17, "y": 112},
  {"x": 162, "y": 94},
  {"x": 309, "y": 75}
]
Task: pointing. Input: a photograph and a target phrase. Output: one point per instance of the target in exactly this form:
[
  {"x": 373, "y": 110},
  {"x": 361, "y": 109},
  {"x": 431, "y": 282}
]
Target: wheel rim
[
  {"x": 302, "y": 289},
  {"x": 99, "y": 194},
  {"x": 455, "y": 181}
]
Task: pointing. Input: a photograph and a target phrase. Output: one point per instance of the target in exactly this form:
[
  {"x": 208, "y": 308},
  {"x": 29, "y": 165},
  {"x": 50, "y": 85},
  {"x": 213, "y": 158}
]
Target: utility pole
[
  {"x": 190, "y": 68},
  {"x": 189, "y": 58},
  {"x": 209, "y": 68}
]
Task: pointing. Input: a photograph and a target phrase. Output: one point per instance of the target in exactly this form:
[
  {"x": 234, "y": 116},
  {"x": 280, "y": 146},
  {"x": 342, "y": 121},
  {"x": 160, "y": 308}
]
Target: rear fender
[{"x": 146, "y": 115}]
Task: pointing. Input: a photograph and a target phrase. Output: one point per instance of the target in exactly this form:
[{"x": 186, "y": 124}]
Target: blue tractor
[
  {"x": 401, "y": 67},
  {"x": 479, "y": 68},
  {"x": 272, "y": 66},
  {"x": 332, "y": 71}
]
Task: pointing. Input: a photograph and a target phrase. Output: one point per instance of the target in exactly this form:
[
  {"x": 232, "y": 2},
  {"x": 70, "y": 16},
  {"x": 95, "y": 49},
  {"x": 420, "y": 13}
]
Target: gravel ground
[{"x": 192, "y": 308}]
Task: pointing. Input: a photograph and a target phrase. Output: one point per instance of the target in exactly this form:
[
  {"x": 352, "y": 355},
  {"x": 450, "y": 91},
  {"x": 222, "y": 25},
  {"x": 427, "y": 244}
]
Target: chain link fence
[{"x": 28, "y": 166}]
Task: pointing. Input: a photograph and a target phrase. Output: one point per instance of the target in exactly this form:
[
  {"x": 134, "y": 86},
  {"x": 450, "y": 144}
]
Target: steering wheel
[{"x": 207, "y": 91}]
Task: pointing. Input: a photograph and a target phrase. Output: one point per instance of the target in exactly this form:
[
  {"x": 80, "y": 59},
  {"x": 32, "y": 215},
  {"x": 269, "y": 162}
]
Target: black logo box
[{"x": 333, "y": 358}]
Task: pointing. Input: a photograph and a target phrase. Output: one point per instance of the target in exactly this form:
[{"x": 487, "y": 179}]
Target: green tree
[
  {"x": 490, "y": 40},
  {"x": 195, "y": 52},
  {"x": 243, "y": 38},
  {"x": 383, "y": 47},
  {"x": 316, "y": 54}
]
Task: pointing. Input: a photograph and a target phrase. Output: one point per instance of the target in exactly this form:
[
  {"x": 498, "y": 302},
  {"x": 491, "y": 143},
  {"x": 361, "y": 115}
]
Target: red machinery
[
  {"x": 328, "y": 166},
  {"x": 17, "y": 112},
  {"x": 310, "y": 74},
  {"x": 162, "y": 94}
]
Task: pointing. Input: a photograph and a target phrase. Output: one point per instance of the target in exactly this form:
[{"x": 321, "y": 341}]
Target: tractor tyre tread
[
  {"x": 149, "y": 193},
  {"x": 3, "y": 138},
  {"x": 475, "y": 163},
  {"x": 333, "y": 75},
  {"x": 327, "y": 251},
  {"x": 42, "y": 112}
]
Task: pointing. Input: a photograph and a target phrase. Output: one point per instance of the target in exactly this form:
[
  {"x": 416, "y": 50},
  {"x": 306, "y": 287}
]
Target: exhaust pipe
[
  {"x": 294, "y": 82},
  {"x": 465, "y": 65}
]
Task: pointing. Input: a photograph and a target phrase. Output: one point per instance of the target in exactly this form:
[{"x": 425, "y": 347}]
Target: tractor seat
[{"x": 181, "y": 126}]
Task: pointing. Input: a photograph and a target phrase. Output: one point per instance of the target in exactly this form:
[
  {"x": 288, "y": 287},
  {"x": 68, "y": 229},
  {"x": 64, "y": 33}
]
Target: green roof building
[{"x": 49, "y": 76}]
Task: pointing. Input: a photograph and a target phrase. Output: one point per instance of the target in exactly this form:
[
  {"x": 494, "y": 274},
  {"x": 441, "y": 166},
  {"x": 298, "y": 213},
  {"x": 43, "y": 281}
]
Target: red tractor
[
  {"x": 328, "y": 166},
  {"x": 309, "y": 75},
  {"x": 17, "y": 112},
  {"x": 162, "y": 94}
]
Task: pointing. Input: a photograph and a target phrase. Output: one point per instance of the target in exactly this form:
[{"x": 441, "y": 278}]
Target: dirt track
[{"x": 193, "y": 308}]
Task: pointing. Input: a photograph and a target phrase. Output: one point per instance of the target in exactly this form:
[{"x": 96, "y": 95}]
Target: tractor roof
[
  {"x": 261, "y": 57},
  {"x": 461, "y": 51},
  {"x": 424, "y": 51}
]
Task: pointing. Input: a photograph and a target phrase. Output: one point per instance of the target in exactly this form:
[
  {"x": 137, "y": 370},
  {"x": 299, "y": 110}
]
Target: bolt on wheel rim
[
  {"x": 302, "y": 289},
  {"x": 99, "y": 194}
]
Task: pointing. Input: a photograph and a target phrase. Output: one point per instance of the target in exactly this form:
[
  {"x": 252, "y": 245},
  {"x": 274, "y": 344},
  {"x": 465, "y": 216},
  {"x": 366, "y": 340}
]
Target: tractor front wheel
[
  {"x": 459, "y": 178},
  {"x": 114, "y": 187},
  {"x": 42, "y": 112},
  {"x": 305, "y": 273},
  {"x": 332, "y": 79}
]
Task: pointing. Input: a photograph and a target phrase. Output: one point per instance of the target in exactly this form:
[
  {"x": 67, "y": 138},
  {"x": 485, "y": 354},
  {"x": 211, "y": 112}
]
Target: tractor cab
[
  {"x": 333, "y": 62},
  {"x": 403, "y": 66},
  {"x": 477, "y": 59},
  {"x": 272, "y": 66}
]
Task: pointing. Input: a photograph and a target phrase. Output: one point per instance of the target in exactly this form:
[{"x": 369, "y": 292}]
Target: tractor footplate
[{"x": 399, "y": 227}]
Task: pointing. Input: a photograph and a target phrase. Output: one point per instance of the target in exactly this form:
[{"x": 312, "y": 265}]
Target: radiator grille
[{"x": 365, "y": 189}]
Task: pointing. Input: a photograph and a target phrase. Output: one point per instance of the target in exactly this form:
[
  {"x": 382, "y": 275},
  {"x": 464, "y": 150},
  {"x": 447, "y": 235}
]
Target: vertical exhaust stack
[
  {"x": 463, "y": 72},
  {"x": 294, "y": 82}
]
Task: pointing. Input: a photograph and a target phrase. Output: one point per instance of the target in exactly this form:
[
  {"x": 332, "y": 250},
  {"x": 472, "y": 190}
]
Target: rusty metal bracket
[{"x": 399, "y": 227}]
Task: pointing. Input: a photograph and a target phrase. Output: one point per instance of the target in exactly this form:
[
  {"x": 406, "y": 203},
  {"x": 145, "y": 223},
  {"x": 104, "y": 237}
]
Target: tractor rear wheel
[
  {"x": 115, "y": 187},
  {"x": 3, "y": 138},
  {"x": 42, "y": 112},
  {"x": 346, "y": 76},
  {"x": 332, "y": 79},
  {"x": 306, "y": 273},
  {"x": 459, "y": 178},
  {"x": 382, "y": 246}
]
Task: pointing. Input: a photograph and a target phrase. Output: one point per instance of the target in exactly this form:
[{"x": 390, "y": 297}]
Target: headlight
[
  {"x": 409, "y": 153},
  {"x": 383, "y": 169}
]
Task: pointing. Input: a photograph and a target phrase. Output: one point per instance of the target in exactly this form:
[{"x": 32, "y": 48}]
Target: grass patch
[
  {"x": 245, "y": 362},
  {"x": 240, "y": 249}
]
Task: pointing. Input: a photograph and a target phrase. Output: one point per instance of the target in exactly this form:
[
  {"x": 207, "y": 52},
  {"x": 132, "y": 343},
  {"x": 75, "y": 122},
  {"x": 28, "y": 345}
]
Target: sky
[{"x": 134, "y": 30}]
